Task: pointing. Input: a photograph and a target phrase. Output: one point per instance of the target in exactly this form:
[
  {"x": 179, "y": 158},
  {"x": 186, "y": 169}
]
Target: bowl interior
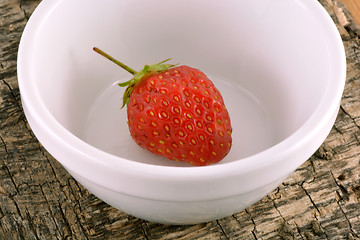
[{"x": 272, "y": 66}]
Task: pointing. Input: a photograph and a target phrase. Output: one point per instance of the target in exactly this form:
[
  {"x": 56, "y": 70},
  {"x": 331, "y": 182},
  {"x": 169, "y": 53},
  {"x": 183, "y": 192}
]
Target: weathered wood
[{"x": 40, "y": 200}]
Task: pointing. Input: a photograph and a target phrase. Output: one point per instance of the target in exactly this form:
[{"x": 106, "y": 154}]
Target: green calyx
[
  {"x": 145, "y": 72},
  {"x": 137, "y": 76}
]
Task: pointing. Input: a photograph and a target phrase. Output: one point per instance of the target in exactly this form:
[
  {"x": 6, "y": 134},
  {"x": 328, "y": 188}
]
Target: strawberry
[{"x": 176, "y": 112}]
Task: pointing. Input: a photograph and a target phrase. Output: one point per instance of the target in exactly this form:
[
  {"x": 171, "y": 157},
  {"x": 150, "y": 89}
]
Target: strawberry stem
[
  {"x": 125, "y": 67},
  {"x": 137, "y": 76}
]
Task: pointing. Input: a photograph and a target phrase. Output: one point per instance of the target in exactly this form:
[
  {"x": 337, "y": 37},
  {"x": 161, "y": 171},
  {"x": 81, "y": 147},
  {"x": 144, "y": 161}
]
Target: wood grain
[
  {"x": 354, "y": 8},
  {"x": 40, "y": 200}
]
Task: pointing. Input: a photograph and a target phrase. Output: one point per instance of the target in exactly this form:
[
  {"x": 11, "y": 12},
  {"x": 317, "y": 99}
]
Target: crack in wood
[
  {"x": 317, "y": 228},
  {"x": 343, "y": 189},
  {"x": 349, "y": 115},
  {"x": 311, "y": 200},
  {"x": 253, "y": 222},
  {"x": 32, "y": 226},
  {"x": 51, "y": 211},
  {"x": 5, "y": 147},
  {"x": 143, "y": 229},
  {"x": 222, "y": 229}
]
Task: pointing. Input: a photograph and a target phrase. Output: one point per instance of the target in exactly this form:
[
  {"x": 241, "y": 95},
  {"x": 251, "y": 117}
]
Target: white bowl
[{"x": 280, "y": 66}]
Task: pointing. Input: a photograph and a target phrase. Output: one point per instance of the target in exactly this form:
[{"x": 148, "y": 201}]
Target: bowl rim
[{"x": 318, "y": 119}]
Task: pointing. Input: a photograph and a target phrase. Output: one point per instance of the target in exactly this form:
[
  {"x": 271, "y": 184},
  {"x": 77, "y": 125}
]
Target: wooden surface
[
  {"x": 354, "y": 7},
  {"x": 40, "y": 200}
]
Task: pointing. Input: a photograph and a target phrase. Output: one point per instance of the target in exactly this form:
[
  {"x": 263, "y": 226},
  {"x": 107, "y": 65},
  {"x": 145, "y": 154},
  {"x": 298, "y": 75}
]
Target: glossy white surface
[{"x": 279, "y": 65}]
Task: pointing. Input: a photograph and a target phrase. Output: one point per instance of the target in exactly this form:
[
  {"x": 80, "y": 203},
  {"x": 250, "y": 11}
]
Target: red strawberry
[{"x": 176, "y": 112}]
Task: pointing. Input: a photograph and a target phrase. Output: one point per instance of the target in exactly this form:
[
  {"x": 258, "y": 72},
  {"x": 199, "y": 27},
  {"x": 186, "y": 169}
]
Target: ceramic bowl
[{"x": 280, "y": 66}]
